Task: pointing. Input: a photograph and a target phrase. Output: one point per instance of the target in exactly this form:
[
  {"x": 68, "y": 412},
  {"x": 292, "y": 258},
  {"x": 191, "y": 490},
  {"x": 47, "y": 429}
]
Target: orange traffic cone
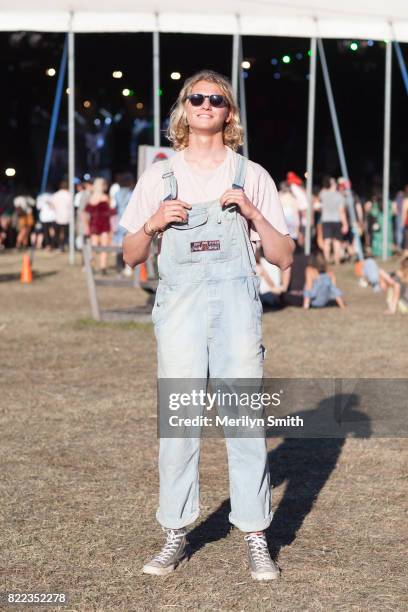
[
  {"x": 358, "y": 269},
  {"x": 26, "y": 271},
  {"x": 143, "y": 273}
]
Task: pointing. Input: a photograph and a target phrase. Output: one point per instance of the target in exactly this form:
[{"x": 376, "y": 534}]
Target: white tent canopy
[
  {"x": 356, "y": 19},
  {"x": 314, "y": 19}
]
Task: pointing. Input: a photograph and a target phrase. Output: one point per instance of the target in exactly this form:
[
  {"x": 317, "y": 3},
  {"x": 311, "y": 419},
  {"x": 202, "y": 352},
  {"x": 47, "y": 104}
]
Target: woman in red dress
[{"x": 97, "y": 219}]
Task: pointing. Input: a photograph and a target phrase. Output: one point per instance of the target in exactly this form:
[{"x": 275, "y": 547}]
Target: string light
[
  {"x": 10, "y": 172},
  {"x": 245, "y": 65},
  {"x": 286, "y": 59},
  {"x": 117, "y": 74},
  {"x": 176, "y": 76},
  {"x": 299, "y": 56},
  {"x": 127, "y": 92},
  {"x": 354, "y": 46},
  {"x": 51, "y": 72},
  {"x": 276, "y": 75},
  {"x": 87, "y": 104},
  {"x": 274, "y": 61},
  {"x": 139, "y": 105},
  {"x": 309, "y": 53}
]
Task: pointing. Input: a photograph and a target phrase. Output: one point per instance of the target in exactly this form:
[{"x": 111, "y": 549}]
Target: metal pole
[
  {"x": 235, "y": 62},
  {"x": 310, "y": 143},
  {"x": 387, "y": 145},
  {"x": 242, "y": 99},
  {"x": 340, "y": 149},
  {"x": 54, "y": 117},
  {"x": 403, "y": 68},
  {"x": 71, "y": 135},
  {"x": 156, "y": 88}
]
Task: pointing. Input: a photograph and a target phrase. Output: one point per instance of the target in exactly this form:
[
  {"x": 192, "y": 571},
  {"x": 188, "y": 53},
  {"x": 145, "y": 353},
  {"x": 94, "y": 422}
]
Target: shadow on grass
[
  {"x": 304, "y": 465},
  {"x": 15, "y": 276}
]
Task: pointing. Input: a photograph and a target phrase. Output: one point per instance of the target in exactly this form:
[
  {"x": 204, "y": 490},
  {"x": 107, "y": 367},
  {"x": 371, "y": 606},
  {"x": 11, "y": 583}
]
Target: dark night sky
[{"x": 277, "y": 108}]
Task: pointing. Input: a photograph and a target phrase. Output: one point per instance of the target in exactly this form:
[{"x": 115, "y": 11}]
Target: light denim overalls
[{"x": 208, "y": 322}]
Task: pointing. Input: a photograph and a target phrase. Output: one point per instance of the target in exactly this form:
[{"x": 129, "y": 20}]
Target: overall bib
[{"x": 208, "y": 322}]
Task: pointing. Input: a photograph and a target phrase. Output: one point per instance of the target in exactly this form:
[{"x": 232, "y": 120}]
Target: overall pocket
[
  {"x": 218, "y": 240},
  {"x": 196, "y": 217},
  {"x": 181, "y": 235}
]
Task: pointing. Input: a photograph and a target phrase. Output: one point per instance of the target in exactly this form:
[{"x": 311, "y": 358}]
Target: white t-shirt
[
  {"x": 300, "y": 195},
  {"x": 46, "y": 211},
  {"x": 274, "y": 274},
  {"x": 24, "y": 202},
  {"x": 194, "y": 188},
  {"x": 62, "y": 202},
  {"x": 291, "y": 213}
]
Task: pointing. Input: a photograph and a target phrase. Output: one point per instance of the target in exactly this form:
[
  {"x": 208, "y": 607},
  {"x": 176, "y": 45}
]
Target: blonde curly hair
[{"x": 178, "y": 130}]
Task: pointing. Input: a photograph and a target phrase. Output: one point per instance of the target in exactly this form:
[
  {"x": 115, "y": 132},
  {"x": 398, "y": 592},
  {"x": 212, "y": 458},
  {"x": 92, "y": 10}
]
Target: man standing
[
  {"x": 209, "y": 204},
  {"x": 61, "y": 201},
  {"x": 334, "y": 219}
]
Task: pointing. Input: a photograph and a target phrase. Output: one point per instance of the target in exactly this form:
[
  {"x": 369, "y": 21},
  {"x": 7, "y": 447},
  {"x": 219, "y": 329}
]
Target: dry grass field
[{"x": 79, "y": 484}]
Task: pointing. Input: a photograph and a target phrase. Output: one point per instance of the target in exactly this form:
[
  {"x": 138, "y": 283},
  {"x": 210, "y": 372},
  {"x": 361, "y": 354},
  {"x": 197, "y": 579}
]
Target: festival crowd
[{"x": 43, "y": 223}]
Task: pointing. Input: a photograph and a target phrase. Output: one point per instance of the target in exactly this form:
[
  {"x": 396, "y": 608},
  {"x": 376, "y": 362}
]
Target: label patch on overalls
[{"x": 205, "y": 245}]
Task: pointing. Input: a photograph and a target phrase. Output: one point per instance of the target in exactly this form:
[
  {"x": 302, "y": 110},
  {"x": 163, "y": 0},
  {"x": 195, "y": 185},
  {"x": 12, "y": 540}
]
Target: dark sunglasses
[{"x": 216, "y": 100}]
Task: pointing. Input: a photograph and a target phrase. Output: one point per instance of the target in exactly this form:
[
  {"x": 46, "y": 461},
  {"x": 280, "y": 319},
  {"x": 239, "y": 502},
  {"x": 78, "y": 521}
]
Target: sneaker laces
[
  {"x": 172, "y": 542},
  {"x": 259, "y": 549}
]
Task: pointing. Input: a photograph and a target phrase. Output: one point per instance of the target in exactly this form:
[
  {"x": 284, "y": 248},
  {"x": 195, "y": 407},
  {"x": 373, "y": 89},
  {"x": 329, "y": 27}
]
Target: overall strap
[
  {"x": 240, "y": 172},
  {"x": 170, "y": 182}
]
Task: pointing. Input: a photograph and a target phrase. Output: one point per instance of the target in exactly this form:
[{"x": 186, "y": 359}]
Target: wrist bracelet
[{"x": 149, "y": 231}]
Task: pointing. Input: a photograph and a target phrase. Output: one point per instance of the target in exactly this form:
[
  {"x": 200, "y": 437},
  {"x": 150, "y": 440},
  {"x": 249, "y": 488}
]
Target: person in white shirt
[
  {"x": 62, "y": 203},
  {"x": 46, "y": 216},
  {"x": 290, "y": 207},
  {"x": 296, "y": 186}
]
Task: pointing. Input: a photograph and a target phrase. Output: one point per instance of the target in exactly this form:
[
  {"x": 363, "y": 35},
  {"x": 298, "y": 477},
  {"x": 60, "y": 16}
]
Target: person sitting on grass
[
  {"x": 320, "y": 285},
  {"x": 396, "y": 286},
  {"x": 368, "y": 273}
]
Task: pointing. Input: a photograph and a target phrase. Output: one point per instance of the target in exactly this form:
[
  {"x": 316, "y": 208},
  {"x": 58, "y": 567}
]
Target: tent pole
[
  {"x": 387, "y": 145},
  {"x": 242, "y": 99},
  {"x": 340, "y": 149},
  {"x": 54, "y": 117},
  {"x": 235, "y": 62},
  {"x": 156, "y": 88},
  {"x": 310, "y": 143},
  {"x": 403, "y": 68},
  {"x": 71, "y": 135}
]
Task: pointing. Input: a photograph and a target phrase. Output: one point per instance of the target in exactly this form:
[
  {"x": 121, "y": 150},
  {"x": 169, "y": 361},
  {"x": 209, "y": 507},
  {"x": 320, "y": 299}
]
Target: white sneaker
[
  {"x": 261, "y": 565},
  {"x": 127, "y": 271},
  {"x": 172, "y": 553}
]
